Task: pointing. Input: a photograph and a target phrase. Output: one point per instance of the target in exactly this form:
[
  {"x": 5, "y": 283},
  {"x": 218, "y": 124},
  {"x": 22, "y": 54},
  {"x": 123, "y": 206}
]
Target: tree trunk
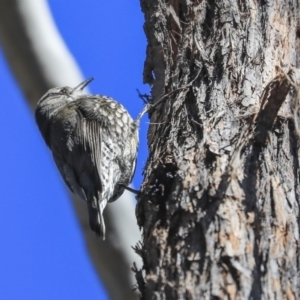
[{"x": 219, "y": 205}]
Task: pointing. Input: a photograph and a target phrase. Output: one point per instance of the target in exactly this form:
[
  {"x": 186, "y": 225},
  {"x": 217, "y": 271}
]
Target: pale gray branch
[{"x": 40, "y": 60}]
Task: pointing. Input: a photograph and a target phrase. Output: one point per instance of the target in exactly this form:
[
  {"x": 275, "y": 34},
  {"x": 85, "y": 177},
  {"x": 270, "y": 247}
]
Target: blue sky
[{"x": 42, "y": 252}]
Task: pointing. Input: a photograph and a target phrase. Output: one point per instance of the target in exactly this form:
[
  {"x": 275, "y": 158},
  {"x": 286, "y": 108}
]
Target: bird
[{"x": 94, "y": 143}]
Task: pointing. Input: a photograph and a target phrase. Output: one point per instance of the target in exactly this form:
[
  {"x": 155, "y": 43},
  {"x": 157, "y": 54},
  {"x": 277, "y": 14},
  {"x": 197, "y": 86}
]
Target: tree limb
[{"x": 40, "y": 60}]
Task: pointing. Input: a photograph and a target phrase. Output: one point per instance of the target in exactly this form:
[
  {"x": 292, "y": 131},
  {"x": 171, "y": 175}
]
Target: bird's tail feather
[
  {"x": 95, "y": 209},
  {"x": 101, "y": 206}
]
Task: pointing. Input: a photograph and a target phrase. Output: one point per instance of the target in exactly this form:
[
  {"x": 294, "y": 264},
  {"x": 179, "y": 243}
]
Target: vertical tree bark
[{"x": 219, "y": 205}]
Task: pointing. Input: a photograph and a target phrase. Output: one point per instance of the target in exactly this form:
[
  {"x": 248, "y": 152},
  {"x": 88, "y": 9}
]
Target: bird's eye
[{"x": 64, "y": 91}]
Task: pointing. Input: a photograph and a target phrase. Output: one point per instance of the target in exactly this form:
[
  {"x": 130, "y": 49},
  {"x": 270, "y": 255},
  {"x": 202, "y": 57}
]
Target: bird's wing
[
  {"x": 75, "y": 141},
  {"x": 87, "y": 140},
  {"x": 97, "y": 137},
  {"x": 61, "y": 133},
  {"x": 91, "y": 137}
]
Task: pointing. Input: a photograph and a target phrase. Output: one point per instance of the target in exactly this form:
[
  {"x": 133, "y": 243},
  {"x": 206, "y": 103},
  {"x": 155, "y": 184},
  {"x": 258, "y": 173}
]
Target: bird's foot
[{"x": 129, "y": 189}]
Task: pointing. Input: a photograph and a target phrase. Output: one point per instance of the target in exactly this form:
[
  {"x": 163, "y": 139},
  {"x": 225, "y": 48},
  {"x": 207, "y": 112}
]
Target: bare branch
[{"x": 40, "y": 60}]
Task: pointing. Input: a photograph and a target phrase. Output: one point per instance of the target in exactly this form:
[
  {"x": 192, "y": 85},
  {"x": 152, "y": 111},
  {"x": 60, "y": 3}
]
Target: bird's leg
[{"x": 129, "y": 189}]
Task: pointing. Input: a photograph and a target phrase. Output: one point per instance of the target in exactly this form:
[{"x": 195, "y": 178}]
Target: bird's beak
[{"x": 83, "y": 84}]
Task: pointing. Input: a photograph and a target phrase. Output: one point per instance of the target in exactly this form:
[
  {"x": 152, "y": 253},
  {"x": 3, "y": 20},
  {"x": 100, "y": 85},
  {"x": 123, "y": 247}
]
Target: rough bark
[
  {"x": 219, "y": 205},
  {"x": 40, "y": 60}
]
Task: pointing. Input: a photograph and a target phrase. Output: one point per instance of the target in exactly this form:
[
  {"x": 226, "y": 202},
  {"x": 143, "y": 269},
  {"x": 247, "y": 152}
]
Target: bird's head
[
  {"x": 59, "y": 96},
  {"x": 54, "y": 100}
]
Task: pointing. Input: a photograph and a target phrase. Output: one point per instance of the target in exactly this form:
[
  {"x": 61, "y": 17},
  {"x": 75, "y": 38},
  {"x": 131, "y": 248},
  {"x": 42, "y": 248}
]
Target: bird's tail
[{"x": 95, "y": 209}]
